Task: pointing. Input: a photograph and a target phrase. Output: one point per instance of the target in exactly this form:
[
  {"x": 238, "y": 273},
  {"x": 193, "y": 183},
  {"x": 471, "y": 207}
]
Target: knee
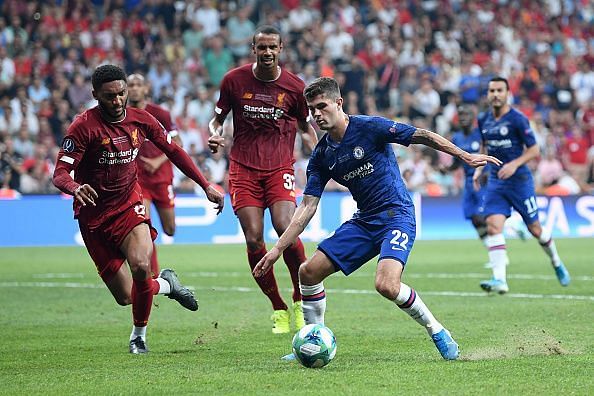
[
  {"x": 123, "y": 300},
  {"x": 169, "y": 229},
  {"x": 254, "y": 244},
  {"x": 387, "y": 288},
  {"x": 307, "y": 276},
  {"x": 139, "y": 263}
]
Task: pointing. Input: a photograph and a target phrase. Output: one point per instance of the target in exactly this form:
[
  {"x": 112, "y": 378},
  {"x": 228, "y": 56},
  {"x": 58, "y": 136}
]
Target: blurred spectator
[{"x": 240, "y": 31}]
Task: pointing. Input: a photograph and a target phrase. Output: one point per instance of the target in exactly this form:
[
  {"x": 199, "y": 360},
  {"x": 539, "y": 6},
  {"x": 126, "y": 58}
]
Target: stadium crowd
[{"x": 414, "y": 61}]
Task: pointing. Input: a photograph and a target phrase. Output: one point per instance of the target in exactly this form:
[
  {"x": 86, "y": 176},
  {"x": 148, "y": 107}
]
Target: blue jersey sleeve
[
  {"x": 525, "y": 131},
  {"x": 317, "y": 178},
  {"x": 389, "y": 131}
]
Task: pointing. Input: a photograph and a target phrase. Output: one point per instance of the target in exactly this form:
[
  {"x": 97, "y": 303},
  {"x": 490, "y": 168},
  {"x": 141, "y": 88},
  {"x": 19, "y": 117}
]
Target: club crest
[{"x": 358, "y": 152}]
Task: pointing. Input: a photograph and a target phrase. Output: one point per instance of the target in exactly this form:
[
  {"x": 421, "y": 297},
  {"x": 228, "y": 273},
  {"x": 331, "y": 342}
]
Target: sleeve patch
[
  {"x": 68, "y": 160},
  {"x": 68, "y": 145}
]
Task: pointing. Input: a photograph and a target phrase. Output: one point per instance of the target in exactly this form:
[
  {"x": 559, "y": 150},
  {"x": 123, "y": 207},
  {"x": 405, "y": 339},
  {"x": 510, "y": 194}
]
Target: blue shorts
[
  {"x": 502, "y": 195},
  {"x": 473, "y": 202},
  {"x": 359, "y": 240}
]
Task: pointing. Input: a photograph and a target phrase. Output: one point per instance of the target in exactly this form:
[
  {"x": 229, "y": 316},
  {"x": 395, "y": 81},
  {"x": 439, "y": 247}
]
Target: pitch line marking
[
  {"x": 429, "y": 275},
  {"x": 79, "y": 285}
]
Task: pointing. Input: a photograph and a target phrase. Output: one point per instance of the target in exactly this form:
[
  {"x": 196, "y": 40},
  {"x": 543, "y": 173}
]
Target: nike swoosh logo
[{"x": 332, "y": 166}]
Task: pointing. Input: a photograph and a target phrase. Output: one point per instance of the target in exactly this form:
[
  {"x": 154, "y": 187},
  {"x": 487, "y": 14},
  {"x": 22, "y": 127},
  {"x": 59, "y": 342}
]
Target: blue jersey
[
  {"x": 505, "y": 139},
  {"x": 470, "y": 143},
  {"x": 364, "y": 163}
]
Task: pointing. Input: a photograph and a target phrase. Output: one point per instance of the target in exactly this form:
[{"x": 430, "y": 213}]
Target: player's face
[
  {"x": 136, "y": 89},
  {"x": 267, "y": 49},
  {"x": 497, "y": 94},
  {"x": 325, "y": 111},
  {"x": 465, "y": 117},
  {"x": 112, "y": 98}
]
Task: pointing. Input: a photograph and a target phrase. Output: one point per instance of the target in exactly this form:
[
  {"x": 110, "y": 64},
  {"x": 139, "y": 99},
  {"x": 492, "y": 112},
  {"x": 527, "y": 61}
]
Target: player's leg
[
  {"x": 137, "y": 247},
  {"x": 545, "y": 239},
  {"x": 496, "y": 209},
  {"x": 281, "y": 213},
  {"x": 247, "y": 190},
  {"x": 388, "y": 284},
  {"x": 312, "y": 274},
  {"x": 498, "y": 258},
  {"x": 252, "y": 223},
  {"x": 397, "y": 240},
  {"x": 147, "y": 201},
  {"x": 167, "y": 217}
]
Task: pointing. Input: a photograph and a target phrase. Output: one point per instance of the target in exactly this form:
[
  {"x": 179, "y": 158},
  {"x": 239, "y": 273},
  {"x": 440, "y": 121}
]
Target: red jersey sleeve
[
  {"x": 70, "y": 155},
  {"x": 224, "y": 104}
]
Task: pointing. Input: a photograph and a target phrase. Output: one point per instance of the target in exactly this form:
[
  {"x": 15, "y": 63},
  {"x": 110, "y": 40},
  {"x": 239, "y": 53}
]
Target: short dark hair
[
  {"x": 267, "y": 29},
  {"x": 107, "y": 73},
  {"x": 322, "y": 86},
  {"x": 500, "y": 79}
]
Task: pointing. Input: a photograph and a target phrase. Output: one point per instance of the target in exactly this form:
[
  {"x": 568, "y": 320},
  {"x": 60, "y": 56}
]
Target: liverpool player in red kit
[
  {"x": 267, "y": 104},
  {"x": 100, "y": 147},
  {"x": 155, "y": 171}
]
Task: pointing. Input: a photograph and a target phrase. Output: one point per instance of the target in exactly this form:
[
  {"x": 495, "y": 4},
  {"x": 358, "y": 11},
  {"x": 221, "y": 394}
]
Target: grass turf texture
[{"x": 62, "y": 332}]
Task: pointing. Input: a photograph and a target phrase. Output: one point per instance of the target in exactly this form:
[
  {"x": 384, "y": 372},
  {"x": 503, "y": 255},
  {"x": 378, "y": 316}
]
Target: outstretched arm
[
  {"x": 305, "y": 211},
  {"x": 437, "y": 142}
]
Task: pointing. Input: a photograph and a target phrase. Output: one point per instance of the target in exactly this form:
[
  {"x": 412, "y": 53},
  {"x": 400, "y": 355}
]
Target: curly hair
[{"x": 107, "y": 73}]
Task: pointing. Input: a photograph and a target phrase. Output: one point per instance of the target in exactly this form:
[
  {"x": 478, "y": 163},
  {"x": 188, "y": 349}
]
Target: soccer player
[
  {"x": 469, "y": 139},
  {"x": 100, "y": 148},
  {"x": 155, "y": 171},
  {"x": 356, "y": 153},
  {"x": 267, "y": 104},
  {"x": 505, "y": 132}
]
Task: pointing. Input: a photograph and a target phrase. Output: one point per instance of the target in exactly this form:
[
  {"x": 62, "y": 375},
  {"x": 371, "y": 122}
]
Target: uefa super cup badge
[{"x": 358, "y": 152}]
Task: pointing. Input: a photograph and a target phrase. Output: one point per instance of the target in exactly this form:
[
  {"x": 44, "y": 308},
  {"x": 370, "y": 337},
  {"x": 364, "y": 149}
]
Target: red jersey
[
  {"x": 102, "y": 154},
  {"x": 265, "y": 115},
  {"x": 165, "y": 172}
]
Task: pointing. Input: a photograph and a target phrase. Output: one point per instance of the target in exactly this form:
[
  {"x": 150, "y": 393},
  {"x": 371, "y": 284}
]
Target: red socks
[
  {"x": 267, "y": 282},
  {"x": 294, "y": 256},
  {"x": 142, "y": 300}
]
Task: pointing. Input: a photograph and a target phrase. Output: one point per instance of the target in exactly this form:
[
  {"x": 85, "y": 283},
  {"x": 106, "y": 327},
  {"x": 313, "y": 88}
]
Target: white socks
[
  {"x": 138, "y": 332},
  {"x": 164, "y": 286},
  {"x": 548, "y": 245},
  {"x": 410, "y": 302},
  {"x": 314, "y": 303},
  {"x": 497, "y": 255}
]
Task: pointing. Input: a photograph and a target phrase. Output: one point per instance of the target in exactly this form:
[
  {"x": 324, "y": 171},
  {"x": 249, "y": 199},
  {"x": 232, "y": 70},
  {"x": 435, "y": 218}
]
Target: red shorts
[
  {"x": 103, "y": 243},
  {"x": 161, "y": 194},
  {"x": 251, "y": 187}
]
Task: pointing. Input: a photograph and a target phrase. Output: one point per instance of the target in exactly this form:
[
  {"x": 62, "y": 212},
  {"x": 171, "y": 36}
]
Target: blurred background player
[
  {"x": 356, "y": 152},
  {"x": 267, "y": 104},
  {"x": 505, "y": 132},
  {"x": 469, "y": 139},
  {"x": 100, "y": 147},
  {"x": 155, "y": 171}
]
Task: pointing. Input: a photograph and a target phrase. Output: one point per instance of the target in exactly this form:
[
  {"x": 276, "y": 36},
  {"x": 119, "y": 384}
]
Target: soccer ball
[{"x": 314, "y": 345}]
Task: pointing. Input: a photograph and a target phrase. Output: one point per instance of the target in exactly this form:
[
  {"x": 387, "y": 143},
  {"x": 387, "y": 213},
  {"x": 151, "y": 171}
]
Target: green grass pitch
[{"x": 62, "y": 332}]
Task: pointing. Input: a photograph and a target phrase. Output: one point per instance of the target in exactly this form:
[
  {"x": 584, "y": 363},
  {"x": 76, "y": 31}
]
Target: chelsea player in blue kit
[
  {"x": 505, "y": 132},
  {"x": 356, "y": 152},
  {"x": 469, "y": 139}
]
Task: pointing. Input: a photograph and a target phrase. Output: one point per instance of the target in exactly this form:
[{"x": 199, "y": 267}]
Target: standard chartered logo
[
  {"x": 118, "y": 157},
  {"x": 261, "y": 112},
  {"x": 360, "y": 172}
]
